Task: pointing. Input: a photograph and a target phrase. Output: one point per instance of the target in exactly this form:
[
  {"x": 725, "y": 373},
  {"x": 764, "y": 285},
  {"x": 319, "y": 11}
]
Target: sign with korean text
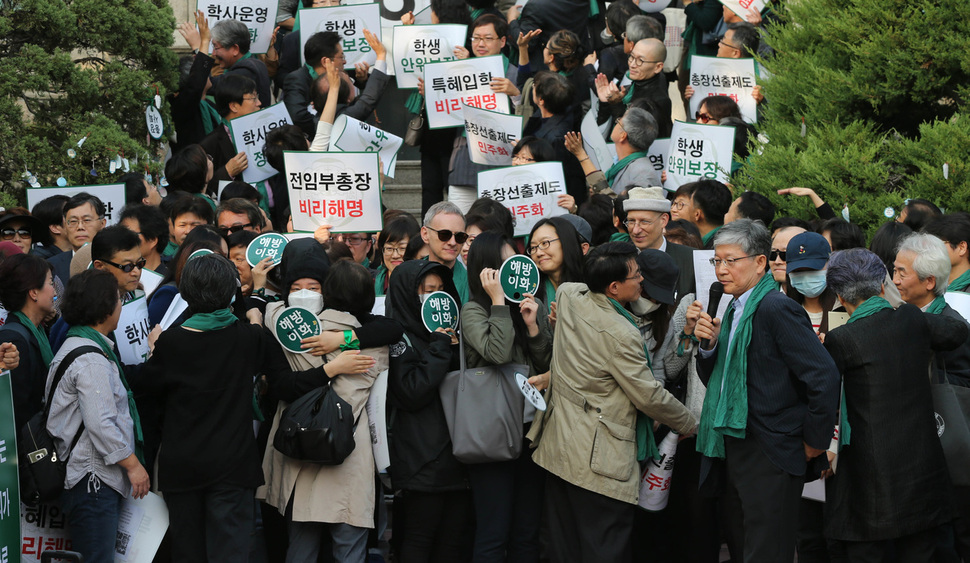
[
  {"x": 518, "y": 275},
  {"x": 339, "y": 189},
  {"x": 249, "y": 135},
  {"x": 133, "y": 328},
  {"x": 352, "y": 135},
  {"x": 417, "y": 45},
  {"x": 43, "y": 527},
  {"x": 744, "y": 7},
  {"x": 491, "y": 135},
  {"x": 530, "y": 191},
  {"x": 293, "y": 325},
  {"x": 347, "y": 21},
  {"x": 657, "y": 154},
  {"x": 111, "y": 195},
  {"x": 716, "y": 76},
  {"x": 699, "y": 152},
  {"x": 141, "y": 526},
  {"x": 440, "y": 310},
  {"x": 9, "y": 480},
  {"x": 450, "y": 84},
  {"x": 269, "y": 245},
  {"x": 530, "y": 392},
  {"x": 153, "y": 120},
  {"x": 258, "y": 15}
]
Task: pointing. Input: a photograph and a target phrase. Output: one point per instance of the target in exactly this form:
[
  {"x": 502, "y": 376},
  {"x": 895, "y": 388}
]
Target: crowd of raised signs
[{"x": 298, "y": 370}]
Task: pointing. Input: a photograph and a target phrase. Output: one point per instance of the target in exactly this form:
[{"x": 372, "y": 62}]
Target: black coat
[
  {"x": 186, "y": 112},
  {"x": 219, "y": 146},
  {"x": 554, "y": 129},
  {"x": 684, "y": 258},
  {"x": 955, "y": 364},
  {"x": 891, "y": 479},
  {"x": 29, "y": 379},
  {"x": 255, "y": 70},
  {"x": 654, "y": 91}
]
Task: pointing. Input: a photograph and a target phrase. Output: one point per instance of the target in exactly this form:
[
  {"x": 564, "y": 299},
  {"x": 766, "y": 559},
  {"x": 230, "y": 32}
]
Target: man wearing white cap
[{"x": 647, "y": 214}]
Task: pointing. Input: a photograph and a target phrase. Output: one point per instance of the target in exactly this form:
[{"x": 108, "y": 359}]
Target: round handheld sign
[
  {"x": 270, "y": 245},
  {"x": 519, "y": 275},
  {"x": 440, "y": 310},
  {"x": 153, "y": 120},
  {"x": 293, "y": 325},
  {"x": 531, "y": 393}
]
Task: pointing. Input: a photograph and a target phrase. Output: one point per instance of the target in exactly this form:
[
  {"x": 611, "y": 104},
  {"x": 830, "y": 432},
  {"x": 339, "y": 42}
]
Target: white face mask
[
  {"x": 307, "y": 299},
  {"x": 650, "y": 306}
]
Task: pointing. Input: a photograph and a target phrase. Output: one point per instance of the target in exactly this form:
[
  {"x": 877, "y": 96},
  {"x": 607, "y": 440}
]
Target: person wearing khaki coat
[{"x": 586, "y": 438}]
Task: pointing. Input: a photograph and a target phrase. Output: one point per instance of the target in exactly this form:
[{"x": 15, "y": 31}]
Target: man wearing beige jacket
[{"x": 588, "y": 437}]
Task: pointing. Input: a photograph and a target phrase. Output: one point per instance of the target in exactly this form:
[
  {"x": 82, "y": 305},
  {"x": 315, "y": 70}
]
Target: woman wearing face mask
[{"x": 807, "y": 254}]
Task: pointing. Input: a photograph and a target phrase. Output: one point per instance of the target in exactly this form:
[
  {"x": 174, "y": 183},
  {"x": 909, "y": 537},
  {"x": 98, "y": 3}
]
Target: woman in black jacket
[{"x": 434, "y": 514}]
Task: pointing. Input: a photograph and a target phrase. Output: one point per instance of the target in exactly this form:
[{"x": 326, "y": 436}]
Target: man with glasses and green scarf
[{"x": 772, "y": 396}]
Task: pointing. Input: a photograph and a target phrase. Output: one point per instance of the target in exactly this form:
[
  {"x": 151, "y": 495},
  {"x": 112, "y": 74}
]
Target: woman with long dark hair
[{"x": 555, "y": 247}]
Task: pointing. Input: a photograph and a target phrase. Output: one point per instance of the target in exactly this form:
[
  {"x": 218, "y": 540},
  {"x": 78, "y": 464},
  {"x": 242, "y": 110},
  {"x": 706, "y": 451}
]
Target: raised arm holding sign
[{"x": 347, "y": 21}]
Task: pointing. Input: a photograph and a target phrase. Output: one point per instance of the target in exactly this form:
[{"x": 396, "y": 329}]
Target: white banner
[
  {"x": 131, "y": 336},
  {"x": 744, "y": 7},
  {"x": 697, "y": 152},
  {"x": 450, "y": 84},
  {"x": 342, "y": 189},
  {"x": 347, "y": 21},
  {"x": 351, "y": 135},
  {"x": 112, "y": 195},
  {"x": 491, "y": 135},
  {"x": 258, "y": 15},
  {"x": 593, "y": 141},
  {"x": 734, "y": 78},
  {"x": 249, "y": 135},
  {"x": 417, "y": 45},
  {"x": 377, "y": 420},
  {"x": 657, "y": 153},
  {"x": 530, "y": 192}
]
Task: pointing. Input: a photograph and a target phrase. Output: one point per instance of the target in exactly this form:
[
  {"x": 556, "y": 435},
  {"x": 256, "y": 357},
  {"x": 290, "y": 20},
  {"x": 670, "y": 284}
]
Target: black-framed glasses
[
  {"x": 541, "y": 246},
  {"x": 729, "y": 262},
  {"x": 127, "y": 268},
  {"x": 776, "y": 254},
  {"x": 444, "y": 235},
  {"x": 355, "y": 240},
  {"x": 226, "y": 231},
  {"x": 638, "y": 60},
  {"x": 9, "y": 234},
  {"x": 721, "y": 41},
  {"x": 392, "y": 250}
]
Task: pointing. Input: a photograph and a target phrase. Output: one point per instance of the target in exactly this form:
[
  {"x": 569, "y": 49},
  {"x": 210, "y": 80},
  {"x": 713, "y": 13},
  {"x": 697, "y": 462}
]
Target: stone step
[{"x": 403, "y": 191}]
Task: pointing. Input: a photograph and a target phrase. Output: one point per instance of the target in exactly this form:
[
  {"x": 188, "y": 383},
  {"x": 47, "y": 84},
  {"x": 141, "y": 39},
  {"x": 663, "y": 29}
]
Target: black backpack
[
  {"x": 318, "y": 427},
  {"x": 42, "y": 471}
]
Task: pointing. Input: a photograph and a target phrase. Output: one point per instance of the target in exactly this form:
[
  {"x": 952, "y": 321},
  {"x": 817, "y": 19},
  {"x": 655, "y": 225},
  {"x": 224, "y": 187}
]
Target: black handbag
[
  {"x": 412, "y": 137},
  {"x": 42, "y": 471},
  {"x": 318, "y": 427}
]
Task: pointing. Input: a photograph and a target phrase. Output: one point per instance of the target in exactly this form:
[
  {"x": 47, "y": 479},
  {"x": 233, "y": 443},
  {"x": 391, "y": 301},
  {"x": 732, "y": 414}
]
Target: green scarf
[
  {"x": 628, "y": 97},
  {"x": 210, "y": 321},
  {"x": 476, "y": 13},
  {"x": 40, "y": 336},
  {"x": 210, "y": 117},
  {"x": 108, "y": 349},
  {"x": 936, "y": 307},
  {"x": 623, "y": 163},
  {"x": 961, "y": 283},
  {"x": 709, "y": 236},
  {"x": 379, "y": 280},
  {"x": 646, "y": 444},
  {"x": 170, "y": 249},
  {"x": 313, "y": 73},
  {"x": 725, "y": 411},
  {"x": 869, "y": 307},
  {"x": 620, "y": 237},
  {"x": 414, "y": 103},
  {"x": 594, "y": 9}
]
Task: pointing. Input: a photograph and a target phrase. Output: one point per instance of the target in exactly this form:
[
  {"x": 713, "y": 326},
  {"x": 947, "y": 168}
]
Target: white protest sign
[
  {"x": 351, "y": 135},
  {"x": 150, "y": 280},
  {"x": 249, "y": 135},
  {"x": 959, "y": 301},
  {"x": 531, "y": 393},
  {"x": 491, "y": 135},
  {"x": 734, "y": 78},
  {"x": 258, "y": 15},
  {"x": 347, "y": 21},
  {"x": 3, "y": 316},
  {"x": 131, "y": 336},
  {"x": 42, "y": 527},
  {"x": 417, "y": 45},
  {"x": 222, "y": 186},
  {"x": 657, "y": 153},
  {"x": 422, "y": 16},
  {"x": 111, "y": 195},
  {"x": 342, "y": 189},
  {"x": 593, "y": 141},
  {"x": 174, "y": 311},
  {"x": 699, "y": 152},
  {"x": 141, "y": 526},
  {"x": 704, "y": 276},
  {"x": 530, "y": 192},
  {"x": 377, "y": 420},
  {"x": 744, "y": 7},
  {"x": 450, "y": 84},
  {"x": 379, "y": 305}
]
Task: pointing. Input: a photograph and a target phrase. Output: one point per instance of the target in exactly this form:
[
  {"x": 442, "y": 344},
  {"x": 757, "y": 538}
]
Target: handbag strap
[{"x": 58, "y": 374}]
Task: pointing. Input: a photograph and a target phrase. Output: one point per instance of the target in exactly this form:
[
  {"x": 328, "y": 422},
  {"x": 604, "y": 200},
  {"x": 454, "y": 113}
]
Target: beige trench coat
[
  {"x": 327, "y": 493},
  {"x": 600, "y": 378}
]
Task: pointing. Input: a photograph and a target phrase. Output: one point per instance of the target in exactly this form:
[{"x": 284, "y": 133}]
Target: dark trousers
[
  {"x": 92, "y": 509},
  {"x": 586, "y": 526},
  {"x": 508, "y": 509},
  {"x": 961, "y": 526},
  {"x": 437, "y": 527},
  {"x": 764, "y": 500},
  {"x": 914, "y": 548},
  {"x": 434, "y": 179},
  {"x": 211, "y": 525}
]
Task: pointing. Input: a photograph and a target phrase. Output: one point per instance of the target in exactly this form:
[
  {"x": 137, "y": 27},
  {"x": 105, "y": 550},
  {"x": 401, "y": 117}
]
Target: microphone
[{"x": 717, "y": 290}]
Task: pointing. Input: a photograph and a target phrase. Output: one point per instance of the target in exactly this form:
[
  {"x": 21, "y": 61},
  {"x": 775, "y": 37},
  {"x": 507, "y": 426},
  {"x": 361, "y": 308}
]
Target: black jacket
[
  {"x": 554, "y": 129},
  {"x": 219, "y": 146},
  {"x": 297, "y": 97},
  {"x": 27, "y": 380},
  {"x": 653, "y": 90},
  {"x": 684, "y": 258},
  {"x": 255, "y": 70},
  {"x": 186, "y": 113},
  {"x": 420, "y": 445},
  {"x": 955, "y": 364}
]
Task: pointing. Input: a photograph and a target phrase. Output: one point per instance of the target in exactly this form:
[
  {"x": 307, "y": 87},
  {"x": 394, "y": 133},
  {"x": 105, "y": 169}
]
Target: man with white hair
[{"x": 230, "y": 49}]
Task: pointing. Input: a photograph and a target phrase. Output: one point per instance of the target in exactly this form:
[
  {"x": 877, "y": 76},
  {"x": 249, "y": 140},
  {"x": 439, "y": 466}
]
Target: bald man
[{"x": 646, "y": 82}]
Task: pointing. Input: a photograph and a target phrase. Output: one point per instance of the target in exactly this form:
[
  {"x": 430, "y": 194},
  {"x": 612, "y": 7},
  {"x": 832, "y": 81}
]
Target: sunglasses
[
  {"x": 776, "y": 254},
  {"x": 8, "y": 234},
  {"x": 127, "y": 268},
  {"x": 703, "y": 117},
  {"x": 233, "y": 229},
  {"x": 444, "y": 235}
]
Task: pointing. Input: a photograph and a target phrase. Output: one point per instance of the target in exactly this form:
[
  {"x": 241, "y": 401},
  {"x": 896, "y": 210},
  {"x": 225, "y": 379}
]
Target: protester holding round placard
[
  {"x": 508, "y": 494},
  {"x": 433, "y": 506},
  {"x": 555, "y": 247}
]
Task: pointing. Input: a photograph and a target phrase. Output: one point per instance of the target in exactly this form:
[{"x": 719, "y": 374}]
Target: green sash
[
  {"x": 40, "y": 336},
  {"x": 629, "y": 91},
  {"x": 313, "y": 73},
  {"x": 623, "y": 163},
  {"x": 646, "y": 444},
  {"x": 210, "y": 117},
  {"x": 961, "y": 283},
  {"x": 620, "y": 237},
  {"x": 210, "y": 321},
  {"x": 936, "y": 307},
  {"x": 709, "y": 236}
]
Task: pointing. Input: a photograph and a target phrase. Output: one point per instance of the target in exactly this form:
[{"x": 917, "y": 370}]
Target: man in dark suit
[
  {"x": 647, "y": 214},
  {"x": 230, "y": 48},
  {"x": 772, "y": 395}
]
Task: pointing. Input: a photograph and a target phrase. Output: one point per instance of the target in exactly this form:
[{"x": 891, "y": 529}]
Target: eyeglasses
[
  {"x": 521, "y": 158},
  {"x": 776, "y": 254},
  {"x": 355, "y": 240},
  {"x": 250, "y": 98},
  {"x": 729, "y": 262},
  {"x": 678, "y": 205},
  {"x": 636, "y": 276},
  {"x": 721, "y": 41},
  {"x": 542, "y": 245},
  {"x": 479, "y": 39},
  {"x": 9, "y": 234},
  {"x": 86, "y": 221},
  {"x": 642, "y": 223},
  {"x": 392, "y": 250},
  {"x": 703, "y": 117},
  {"x": 639, "y": 61},
  {"x": 444, "y": 235},
  {"x": 127, "y": 268},
  {"x": 226, "y": 231}
]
